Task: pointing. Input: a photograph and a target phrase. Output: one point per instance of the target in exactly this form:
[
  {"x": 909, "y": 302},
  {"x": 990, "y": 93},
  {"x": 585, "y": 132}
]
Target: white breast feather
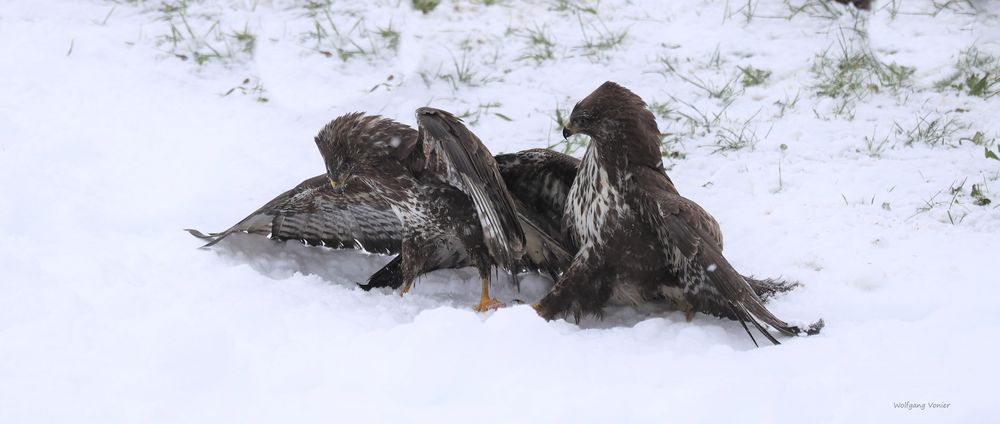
[{"x": 591, "y": 200}]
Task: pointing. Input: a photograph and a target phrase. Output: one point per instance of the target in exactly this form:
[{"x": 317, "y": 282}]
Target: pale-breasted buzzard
[
  {"x": 637, "y": 238},
  {"x": 541, "y": 180}
]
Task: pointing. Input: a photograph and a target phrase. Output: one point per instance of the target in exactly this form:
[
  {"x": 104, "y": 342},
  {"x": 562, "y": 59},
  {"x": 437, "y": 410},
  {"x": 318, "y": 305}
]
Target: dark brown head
[
  {"x": 617, "y": 118},
  {"x": 359, "y": 148}
]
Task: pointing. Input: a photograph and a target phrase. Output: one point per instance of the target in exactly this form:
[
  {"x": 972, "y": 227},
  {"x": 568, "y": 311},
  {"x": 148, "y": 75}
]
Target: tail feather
[
  {"x": 740, "y": 318},
  {"x": 542, "y": 251},
  {"x": 256, "y": 223},
  {"x": 763, "y": 330},
  {"x": 733, "y": 296},
  {"x": 201, "y": 235},
  {"x": 768, "y": 288},
  {"x": 757, "y": 311},
  {"x": 391, "y": 275},
  {"x": 212, "y": 238},
  {"x": 737, "y": 299},
  {"x": 709, "y": 282}
]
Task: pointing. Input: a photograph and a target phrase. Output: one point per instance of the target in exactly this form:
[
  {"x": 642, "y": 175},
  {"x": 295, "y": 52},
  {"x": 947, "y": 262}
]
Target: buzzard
[
  {"x": 356, "y": 217},
  {"x": 541, "y": 179},
  {"x": 637, "y": 238},
  {"x": 435, "y": 195}
]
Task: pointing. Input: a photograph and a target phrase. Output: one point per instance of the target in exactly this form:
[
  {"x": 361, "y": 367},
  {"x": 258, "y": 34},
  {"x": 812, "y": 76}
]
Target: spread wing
[
  {"x": 467, "y": 165},
  {"x": 542, "y": 253},
  {"x": 543, "y": 249},
  {"x": 540, "y": 180},
  {"x": 312, "y": 213},
  {"x": 709, "y": 281}
]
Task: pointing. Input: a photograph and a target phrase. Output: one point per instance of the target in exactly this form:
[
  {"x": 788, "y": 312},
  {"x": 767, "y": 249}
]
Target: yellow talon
[
  {"x": 485, "y": 301},
  {"x": 488, "y": 304}
]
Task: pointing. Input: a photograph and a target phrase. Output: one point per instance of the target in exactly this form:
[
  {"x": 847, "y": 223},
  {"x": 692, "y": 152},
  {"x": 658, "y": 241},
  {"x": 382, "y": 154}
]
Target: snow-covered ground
[{"x": 113, "y": 138}]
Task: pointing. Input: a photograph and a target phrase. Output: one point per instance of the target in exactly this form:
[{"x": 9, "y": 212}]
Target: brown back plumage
[
  {"x": 450, "y": 148},
  {"x": 356, "y": 142},
  {"x": 672, "y": 243},
  {"x": 372, "y": 156}
]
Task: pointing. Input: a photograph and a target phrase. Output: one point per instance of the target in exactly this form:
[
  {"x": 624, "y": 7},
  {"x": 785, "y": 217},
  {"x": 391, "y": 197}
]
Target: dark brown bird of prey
[
  {"x": 541, "y": 179},
  {"x": 434, "y": 195},
  {"x": 638, "y": 239}
]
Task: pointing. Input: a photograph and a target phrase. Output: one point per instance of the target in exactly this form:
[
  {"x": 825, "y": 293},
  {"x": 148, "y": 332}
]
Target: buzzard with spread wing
[
  {"x": 435, "y": 195},
  {"x": 637, "y": 238}
]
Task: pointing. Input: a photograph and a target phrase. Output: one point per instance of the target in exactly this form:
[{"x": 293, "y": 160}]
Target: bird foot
[
  {"x": 687, "y": 308},
  {"x": 689, "y": 315},
  {"x": 543, "y": 312},
  {"x": 488, "y": 304},
  {"x": 406, "y": 288}
]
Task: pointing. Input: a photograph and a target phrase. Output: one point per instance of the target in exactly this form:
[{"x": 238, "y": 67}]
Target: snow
[{"x": 110, "y": 145}]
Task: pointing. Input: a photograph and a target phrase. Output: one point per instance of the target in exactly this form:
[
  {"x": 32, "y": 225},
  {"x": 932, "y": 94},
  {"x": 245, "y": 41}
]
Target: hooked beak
[
  {"x": 568, "y": 131},
  {"x": 337, "y": 188}
]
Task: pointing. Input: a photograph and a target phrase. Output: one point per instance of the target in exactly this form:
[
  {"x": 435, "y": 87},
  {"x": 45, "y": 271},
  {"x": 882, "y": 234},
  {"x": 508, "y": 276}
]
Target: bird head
[
  {"x": 608, "y": 105},
  {"x": 340, "y": 172},
  {"x": 618, "y": 118},
  {"x": 356, "y": 148}
]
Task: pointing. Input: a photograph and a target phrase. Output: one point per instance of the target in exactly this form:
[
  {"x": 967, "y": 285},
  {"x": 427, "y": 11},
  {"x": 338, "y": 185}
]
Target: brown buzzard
[
  {"x": 637, "y": 238},
  {"x": 541, "y": 180},
  {"x": 435, "y": 195}
]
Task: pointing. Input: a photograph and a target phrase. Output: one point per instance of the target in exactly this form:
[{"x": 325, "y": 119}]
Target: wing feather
[
  {"x": 543, "y": 248},
  {"x": 471, "y": 168},
  {"x": 540, "y": 180},
  {"x": 312, "y": 213},
  {"x": 710, "y": 283}
]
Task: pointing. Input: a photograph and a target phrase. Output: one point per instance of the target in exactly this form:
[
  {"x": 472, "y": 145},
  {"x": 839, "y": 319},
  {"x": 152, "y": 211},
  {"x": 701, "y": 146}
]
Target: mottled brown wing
[
  {"x": 687, "y": 211},
  {"x": 544, "y": 249},
  {"x": 540, "y": 180},
  {"x": 709, "y": 281},
  {"x": 312, "y": 213},
  {"x": 471, "y": 168}
]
